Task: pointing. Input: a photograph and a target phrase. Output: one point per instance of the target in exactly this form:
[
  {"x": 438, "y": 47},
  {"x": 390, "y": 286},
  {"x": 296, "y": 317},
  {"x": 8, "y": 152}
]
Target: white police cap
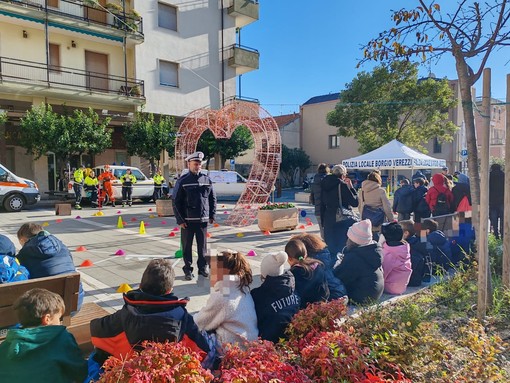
[{"x": 197, "y": 156}]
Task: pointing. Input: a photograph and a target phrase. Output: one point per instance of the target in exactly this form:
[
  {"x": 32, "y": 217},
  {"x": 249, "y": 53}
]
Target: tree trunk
[{"x": 465, "y": 84}]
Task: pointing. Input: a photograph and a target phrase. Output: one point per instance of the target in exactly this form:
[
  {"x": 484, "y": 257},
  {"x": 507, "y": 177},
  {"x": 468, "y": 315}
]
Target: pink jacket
[{"x": 396, "y": 267}]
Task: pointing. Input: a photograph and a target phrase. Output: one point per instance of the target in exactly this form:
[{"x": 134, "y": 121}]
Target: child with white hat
[
  {"x": 275, "y": 300},
  {"x": 361, "y": 267}
]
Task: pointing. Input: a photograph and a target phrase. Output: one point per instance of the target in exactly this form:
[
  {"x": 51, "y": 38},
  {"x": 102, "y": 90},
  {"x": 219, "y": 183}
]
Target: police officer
[
  {"x": 194, "y": 203},
  {"x": 78, "y": 185},
  {"x": 158, "y": 185},
  {"x": 127, "y": 179}
]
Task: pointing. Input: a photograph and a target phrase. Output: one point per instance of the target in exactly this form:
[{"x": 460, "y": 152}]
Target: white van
[
  {"x": 142, "y": 189},
  {"x": 16, "y": 192},
  {"x": 227, "y": 184}
]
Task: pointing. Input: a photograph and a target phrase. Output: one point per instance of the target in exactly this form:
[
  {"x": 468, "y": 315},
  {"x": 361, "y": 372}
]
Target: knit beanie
[
  {"x": 273, "y": 264},
  {"x": 361, "y": 232},
  {"x": 392, "y": 232},
  {"x": 6, "y": 246}
]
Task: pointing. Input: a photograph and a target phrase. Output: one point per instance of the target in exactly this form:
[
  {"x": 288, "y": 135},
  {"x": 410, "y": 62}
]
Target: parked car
[
  {"x": 143, "y": 188},
  {"x": 16, "y": 192},
  {"x": 227, "y": 184}
]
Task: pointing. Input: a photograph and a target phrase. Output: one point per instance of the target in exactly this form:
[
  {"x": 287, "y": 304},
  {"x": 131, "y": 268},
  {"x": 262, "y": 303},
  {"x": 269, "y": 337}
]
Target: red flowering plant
[
  {"x": 317, "y": 317},
  {"x": 279, "y": 205},
  {"x": 260, "y": 362},
  {"x": 157, "y": 363}
]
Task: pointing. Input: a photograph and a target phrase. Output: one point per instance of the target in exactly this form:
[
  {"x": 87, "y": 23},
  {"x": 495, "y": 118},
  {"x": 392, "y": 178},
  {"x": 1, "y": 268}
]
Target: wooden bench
[{"x": 65, "y": 285}]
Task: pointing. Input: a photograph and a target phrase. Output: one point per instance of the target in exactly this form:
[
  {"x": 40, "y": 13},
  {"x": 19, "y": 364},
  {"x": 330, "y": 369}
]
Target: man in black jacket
[
  {"x": 194, "y": 203},
  {"x": 403, "y": 200},
  {"x": 315, "y": 195}
]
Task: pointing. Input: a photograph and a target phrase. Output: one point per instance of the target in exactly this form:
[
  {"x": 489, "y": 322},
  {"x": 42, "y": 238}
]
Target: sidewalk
[{"x": 102, "y": 239}]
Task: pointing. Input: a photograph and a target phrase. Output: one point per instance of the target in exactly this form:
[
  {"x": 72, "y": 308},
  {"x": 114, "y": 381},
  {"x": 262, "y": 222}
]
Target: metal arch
[{"x": 268, "y": 150}]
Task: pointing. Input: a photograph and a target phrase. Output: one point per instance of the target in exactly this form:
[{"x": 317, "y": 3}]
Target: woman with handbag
[
  {"x": 374, "y": 203},
  {"x": 338, "y": 197}
]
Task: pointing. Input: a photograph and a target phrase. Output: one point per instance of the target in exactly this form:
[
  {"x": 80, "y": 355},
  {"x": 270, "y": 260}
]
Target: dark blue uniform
[{"x": 194, "y": 203}]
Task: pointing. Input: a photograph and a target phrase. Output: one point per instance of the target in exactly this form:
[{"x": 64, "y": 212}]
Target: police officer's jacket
[{"x": 194, "y": 199}]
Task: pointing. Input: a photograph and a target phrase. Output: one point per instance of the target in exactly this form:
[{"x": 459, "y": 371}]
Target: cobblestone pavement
[{"x": 101, "y": 239}]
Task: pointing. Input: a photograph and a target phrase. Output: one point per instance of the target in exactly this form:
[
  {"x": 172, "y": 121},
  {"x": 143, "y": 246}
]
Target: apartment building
[
  {"x": 117, "y": 57},
  {"x": 323, "y": 144},
  {"x": 497, "y": 125}
]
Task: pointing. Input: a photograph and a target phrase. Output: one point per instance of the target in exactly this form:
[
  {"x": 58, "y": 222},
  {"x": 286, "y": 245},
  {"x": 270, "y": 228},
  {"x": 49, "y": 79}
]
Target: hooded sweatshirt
[
  {"x": 275, "y": 304},
  {"x": 436, "y": 189},
  {"x": 372, "y": 194},
  {"x": 145, "y": 317},
  {"x": 44, "y": 255},
  {"x": 362, "y": 274},
  {"x": 396, "y": 267},
  {"x": 44, "y": 354}
]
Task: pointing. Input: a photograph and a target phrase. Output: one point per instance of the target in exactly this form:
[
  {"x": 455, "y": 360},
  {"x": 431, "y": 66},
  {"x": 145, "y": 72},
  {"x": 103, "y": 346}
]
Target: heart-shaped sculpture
[{"x": 268, "y": 150}]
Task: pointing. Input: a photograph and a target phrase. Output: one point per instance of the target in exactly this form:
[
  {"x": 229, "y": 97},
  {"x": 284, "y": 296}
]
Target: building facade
[{"x": 164, "y": 57}]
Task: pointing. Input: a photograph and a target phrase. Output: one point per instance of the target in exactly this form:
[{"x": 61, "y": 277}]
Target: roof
[
  {"x": 394, "y": 155},
  {"x": 323, "y": 98},
  {"x": 285, "y": 119}
]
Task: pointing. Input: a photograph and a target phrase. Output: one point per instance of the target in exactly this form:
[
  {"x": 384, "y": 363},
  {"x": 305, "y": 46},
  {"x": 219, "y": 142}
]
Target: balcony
[
  {"x": 39, "y": 79},
  {"x": 244, "y": 11},
  {"x": 243, "y": 59},
  {"x": 77, "y": 17}
]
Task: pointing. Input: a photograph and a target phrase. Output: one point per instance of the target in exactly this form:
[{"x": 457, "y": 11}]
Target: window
[
  {"x": 55, "y": 58},
  {"x": 167, "y": 16},
  {"x": 168, "y": 73},
  {"x": 437, "y": 146},
  {"x": 334, "y": 141}
]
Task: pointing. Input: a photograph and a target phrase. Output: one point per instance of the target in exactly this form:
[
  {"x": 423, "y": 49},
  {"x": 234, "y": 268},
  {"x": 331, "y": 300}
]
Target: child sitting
[
  {"x": 10, "y": 268},
  {"x": 311, "y": 284},
  {"x": 44, "y": 255},
  {"x": 317, "y": 248},
  {"x": 420, "y": 259},
  {"x": 275, "y": 300},
  {"x": 360, "y": 269},
  {"x": 150, "y": 312},
  {"x": 396, "y": 259},
  {"x": 438, "y": 246},
  {"x": 230, "y": 311},
  {"x": 42, "y": 350}
]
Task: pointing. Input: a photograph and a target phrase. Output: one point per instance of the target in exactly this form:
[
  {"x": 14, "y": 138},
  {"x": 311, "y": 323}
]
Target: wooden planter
[
  {"x": 278, "y": 219},
  {"x": 164, "y": 207}
]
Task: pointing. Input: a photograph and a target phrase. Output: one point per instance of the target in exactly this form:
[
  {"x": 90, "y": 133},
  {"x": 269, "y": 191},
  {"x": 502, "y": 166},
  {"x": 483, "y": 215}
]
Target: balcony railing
[
  {"x": 244, "y": 11},
  {"x": 37, "y": 74},
  {"x": 244, "y": 59},
  {"x": 80, "y": 12}
]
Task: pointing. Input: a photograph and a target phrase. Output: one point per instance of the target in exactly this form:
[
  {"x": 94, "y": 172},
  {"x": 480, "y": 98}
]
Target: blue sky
[{"x": 312, "y": 48}]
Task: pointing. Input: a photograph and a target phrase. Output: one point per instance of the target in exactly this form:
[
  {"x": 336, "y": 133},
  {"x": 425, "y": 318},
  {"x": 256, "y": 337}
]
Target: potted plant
[
  {"x": 114, "y": 8},
  {"x": 135, "y": 91},
  {"x": 278, "y": 216}
]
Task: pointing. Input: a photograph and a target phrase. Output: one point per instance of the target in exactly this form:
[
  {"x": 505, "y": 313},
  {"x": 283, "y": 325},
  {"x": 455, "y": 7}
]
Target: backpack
[
  {"x": 11, "y": 270},
  {"x": 442, "y": 206}
]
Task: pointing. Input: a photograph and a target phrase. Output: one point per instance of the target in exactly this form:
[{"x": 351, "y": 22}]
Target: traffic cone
[
  {"x": 133, "y": 219},
  {"x": 216, "y": 225},
  {"x": 251, "y": 253},
  {"x": 58, "y": 221},
  {"x": 309, "y": 223},
  {"x": 171, "y": 234},
  {"x": 45, "y": 224},
  {"x": 81, "y": 248},
  {"x": 142, "y": 228},
  {"x": 163, "y": 222},
  {"x": 209, "y": 235},
  {"x": 240, "y": 235},
  {"x": 267, "y": 232},
  {"x": 176, "y": 229},
  {"x": 120, "y": 252},
  {"x": 120, "y": 223},
  {"x": 87, "y": 263},
  {"x": 178, "y": 254},
  {"x": 124, "y": 288},
  {"x": 301, "y": 227}
]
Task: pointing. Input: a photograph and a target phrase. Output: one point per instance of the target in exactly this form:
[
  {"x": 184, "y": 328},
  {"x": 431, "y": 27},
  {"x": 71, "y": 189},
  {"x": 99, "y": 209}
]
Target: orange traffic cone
[
  {"x": 87, "y": 263},
  {"x": 81, "y": 248}
]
